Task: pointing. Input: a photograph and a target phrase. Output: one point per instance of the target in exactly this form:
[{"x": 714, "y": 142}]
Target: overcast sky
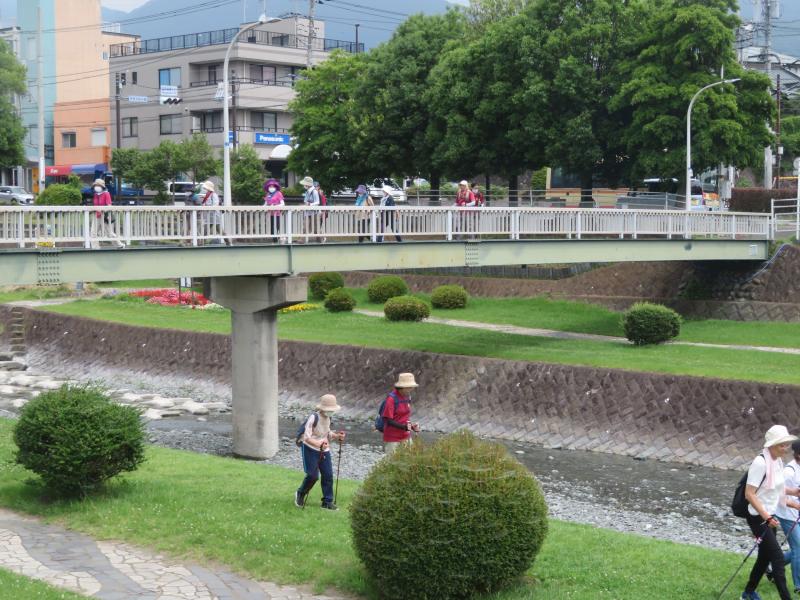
[{"x": 129, "y": 5}]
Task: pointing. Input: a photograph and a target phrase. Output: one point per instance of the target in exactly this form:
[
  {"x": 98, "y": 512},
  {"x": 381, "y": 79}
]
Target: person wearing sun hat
[
  {"x": 274, "y": 197},
  {"x": 765, "y": 491},
  {"x": 363, "y": 199},
  {"x": 103, "y": 222},
  {"x": 397, "y": 424},
  {"x": 315, "y": 450}
]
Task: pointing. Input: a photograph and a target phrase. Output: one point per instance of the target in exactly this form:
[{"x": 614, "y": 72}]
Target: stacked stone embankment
[{"x": 687, "y": 419}]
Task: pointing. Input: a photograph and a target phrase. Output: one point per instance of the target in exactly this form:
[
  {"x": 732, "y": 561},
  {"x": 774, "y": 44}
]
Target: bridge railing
[
  {"x": 786, "y": 217},
  {"x": 194, "y": 226}
]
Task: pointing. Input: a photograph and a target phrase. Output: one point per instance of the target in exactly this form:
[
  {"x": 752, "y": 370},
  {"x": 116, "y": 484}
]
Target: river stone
[
  {"x": 216, "y": 405},
  {"x": 12, "y": 365},
  {"x": 19, "y": 403},
  {"x": 171, "y": 412},
  {"x": 129, "y": 397},
  {"x": 152, "y": 414},
  {"x": 23, "y": 380},
  {"x": 194, "y": 408},
  {"x": 48, "y": 384},
  {"x": 160, "y": 403},
  {"x": 4, "y": 356}
]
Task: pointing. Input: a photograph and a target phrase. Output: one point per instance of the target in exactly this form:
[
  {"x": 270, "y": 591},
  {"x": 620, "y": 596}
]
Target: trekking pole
[
  {"x": 338, "y": 465},
  {"x": 308, "y": 491},
  {"x": 739, "y": 568}
]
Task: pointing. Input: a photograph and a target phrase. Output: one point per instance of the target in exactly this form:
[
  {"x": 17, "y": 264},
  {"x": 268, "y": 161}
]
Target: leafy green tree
[
  {"x": 196, "y": 156},
  {"x": 482, "y": 12},
  {"x": 333, "y": 143},
  {"x": 124, "y": 161},
  {"x": 156, "y": 167},
  {"x": 247, "y": 176},
  {"x": 790, "y": 140},
  {"x": 12, "y": 132}
]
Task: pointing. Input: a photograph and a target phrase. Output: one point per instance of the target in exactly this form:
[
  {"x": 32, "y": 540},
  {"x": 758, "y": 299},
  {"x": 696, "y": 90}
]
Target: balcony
[
  {"x": 266, "y": 82},
  {"x": 224, "y": 36}
]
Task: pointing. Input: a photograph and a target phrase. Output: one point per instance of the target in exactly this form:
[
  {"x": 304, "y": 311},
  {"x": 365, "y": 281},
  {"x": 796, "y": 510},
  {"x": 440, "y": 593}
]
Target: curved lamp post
[{"x": 689, "y": 138}]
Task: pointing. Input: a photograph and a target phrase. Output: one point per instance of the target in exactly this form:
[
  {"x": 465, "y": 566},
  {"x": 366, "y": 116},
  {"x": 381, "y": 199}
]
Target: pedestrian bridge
[{"x": 47, "y": 245}]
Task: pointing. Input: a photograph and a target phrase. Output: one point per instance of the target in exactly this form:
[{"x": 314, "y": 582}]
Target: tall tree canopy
[{"x": 12, "y": 132}]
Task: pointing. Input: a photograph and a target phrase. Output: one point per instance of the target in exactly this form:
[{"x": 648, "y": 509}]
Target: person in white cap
[
  {"x": 765, "y": 491},
  {"x": 464, "y": 198},
  {"x": 315, "y": 449},
  {"x": 310, "y": 199},
  {"x": 103, "y": 222},
  {"x": 387, "y": 215},
  {"x": 397, "y": 424},
  {"x": 212, "y": 219}
]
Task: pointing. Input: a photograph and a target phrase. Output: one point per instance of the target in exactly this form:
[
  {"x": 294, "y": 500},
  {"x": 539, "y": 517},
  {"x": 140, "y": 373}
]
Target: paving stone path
[{"x": 116, "y": 571}]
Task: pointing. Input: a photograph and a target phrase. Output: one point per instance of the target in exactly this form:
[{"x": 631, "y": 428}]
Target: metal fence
[
  {"x": 786, "y": 217},
  {"x": 89, "y": 226}
]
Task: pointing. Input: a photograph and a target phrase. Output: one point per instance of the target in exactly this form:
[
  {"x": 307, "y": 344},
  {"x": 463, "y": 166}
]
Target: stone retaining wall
[{"x": 686, "y": 419}]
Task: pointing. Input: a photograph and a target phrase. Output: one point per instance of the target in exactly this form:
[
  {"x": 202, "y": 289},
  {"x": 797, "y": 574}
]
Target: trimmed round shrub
[
  {"x": 646, "y": 323},
  {"x": 382, "y": 288},
  {"x": 449, "y": 296},
  {"x": 339, "y": 300},
  {"x": 406, "y": 308},
  {"x": 319, "y": 284},
  {"x": 75, "y": 438},
  {"x": 448, "y": 520},
  {"x": 59, "y": 194}
]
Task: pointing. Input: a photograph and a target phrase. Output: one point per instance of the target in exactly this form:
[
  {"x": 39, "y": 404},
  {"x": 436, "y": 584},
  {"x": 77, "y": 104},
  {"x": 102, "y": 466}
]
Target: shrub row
[{"x": 758, "y": 199}]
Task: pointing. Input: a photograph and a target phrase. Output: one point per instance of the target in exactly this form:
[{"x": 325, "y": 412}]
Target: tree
[
  {"x": 157, "y": 167},
  {"x": 124, "y": 161},
  {"x": 196, "y": 156},
  {"x": 333, "y": 145},
  {"x": 483, "y": 12},
  {"x": 247, "y": 176},
  {"x": 12, "y": 132}
]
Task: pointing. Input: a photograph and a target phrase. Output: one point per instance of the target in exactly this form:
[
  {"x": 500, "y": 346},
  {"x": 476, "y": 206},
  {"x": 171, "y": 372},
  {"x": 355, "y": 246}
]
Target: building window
[
  {"x": 213, "y": 77},
  {"x": 171, "y": 124},
  {"x": 169, "y": 77},
  {"x": 69, "y": 140},
  {"x": 130, "y": 127},
  {"x": 134, "y": 77},
  {"x": 265, "y": 121},
  {"x": 99, "y": 138},
  {"x": 211, "y": 122},
  {"x": 263, "y": 73}
]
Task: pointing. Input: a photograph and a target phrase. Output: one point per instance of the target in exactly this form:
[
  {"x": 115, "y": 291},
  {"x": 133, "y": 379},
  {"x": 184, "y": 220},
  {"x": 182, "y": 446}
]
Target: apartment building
[{"x": 173, "y": 86}]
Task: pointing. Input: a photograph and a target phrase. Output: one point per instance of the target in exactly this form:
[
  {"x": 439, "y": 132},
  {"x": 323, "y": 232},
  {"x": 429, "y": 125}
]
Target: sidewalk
[
  {"x": 570, "y": 335},
  {"x": 115, "y": 571}
]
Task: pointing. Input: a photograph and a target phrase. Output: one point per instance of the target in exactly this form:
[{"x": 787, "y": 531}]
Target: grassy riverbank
[
  {"x": 359, "y": 330},
  {"x": 17, "y": 587},
  {"x": 241, "y": 514}
]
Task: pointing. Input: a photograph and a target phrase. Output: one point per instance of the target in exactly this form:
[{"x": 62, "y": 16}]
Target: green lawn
[
  {"x": 33, "y": 292},
  {"x": 239, "y": 513},
  {"x": 17, "y": 587},
  {"x": 359, "y": 330},
  {"x": 139, "y": 283}
]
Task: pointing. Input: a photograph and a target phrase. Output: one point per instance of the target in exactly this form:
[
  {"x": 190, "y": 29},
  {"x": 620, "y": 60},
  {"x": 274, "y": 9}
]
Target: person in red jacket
[
  {"x": 465, "y": 199},
  {"x": 102, "y": 221},
  {"x": 397, "y": 424}
]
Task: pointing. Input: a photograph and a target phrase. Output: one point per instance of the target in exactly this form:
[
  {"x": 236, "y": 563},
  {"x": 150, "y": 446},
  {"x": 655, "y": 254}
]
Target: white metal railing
[
  {"x": 194, "y": 226},
  {"x": 786, "y": 217}
]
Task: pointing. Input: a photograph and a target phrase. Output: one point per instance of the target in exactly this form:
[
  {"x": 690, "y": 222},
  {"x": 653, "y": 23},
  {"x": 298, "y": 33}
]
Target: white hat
[
  {"x": 100, "y": 182},
  {"x": 463, "y": 182},
  {"x": 777, "y": 434},
  {"x": 328, "y": 403},
  {"x": 307, "y": 181},
  {"x": 209, "y": 185},
  {"x": 405, "y": 380},
  {"x": 387, "y": 189}
]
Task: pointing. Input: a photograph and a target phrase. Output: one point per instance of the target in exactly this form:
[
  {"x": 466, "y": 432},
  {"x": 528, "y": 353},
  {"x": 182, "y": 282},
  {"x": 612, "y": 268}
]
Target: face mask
[
  {"x": 271, "y": 190},
  {"x": 98, "y": 189}
]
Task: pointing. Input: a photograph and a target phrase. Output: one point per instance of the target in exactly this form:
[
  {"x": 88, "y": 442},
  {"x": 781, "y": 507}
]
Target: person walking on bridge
[
  {"x": 397, "y": 424},
  {"x": 787, "y": 516},
  {"x": 103, "y": 222},
  {"x": 310, "y": 200},
  {"x": 274, "y": 198},
  {"x": 363, "y": 199}
]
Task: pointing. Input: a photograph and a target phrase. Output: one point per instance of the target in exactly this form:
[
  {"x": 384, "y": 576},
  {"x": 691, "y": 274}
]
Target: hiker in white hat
[
  {"x": 314, "y": 439},
  {"x": 310, "y": 199},
  {"x": 397, "y": 424},
  {"x": 102, "y": 227},
  {"x": 387, "y": 215},
  {"x": 765, "y": 491},
  {"x": 211, "y": 219}
]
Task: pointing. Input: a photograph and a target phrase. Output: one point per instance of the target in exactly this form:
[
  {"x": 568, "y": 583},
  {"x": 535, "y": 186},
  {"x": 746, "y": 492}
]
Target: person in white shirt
[
  {"x": 310, "y": 200},
  {"x": 788, "y": 517},
  {"x": 765, "y": 491}
]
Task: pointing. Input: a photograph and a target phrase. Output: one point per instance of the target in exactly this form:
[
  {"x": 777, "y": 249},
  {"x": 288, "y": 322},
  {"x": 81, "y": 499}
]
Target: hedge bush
[
  {"x": 59, "y": 194},
  {"x": 449, "y": 296},
  {"x": 406, "y": 308},
  {"x": 382, "y": 288},
  {"x": 319, "y": 284},
  {"x": 646, "y": 323},
  {"x": 76, "y": 438},
  {"x": 339, "y": 300},
  {"x": 758, "y": 199},
  {"x": 448, "y": 520}
]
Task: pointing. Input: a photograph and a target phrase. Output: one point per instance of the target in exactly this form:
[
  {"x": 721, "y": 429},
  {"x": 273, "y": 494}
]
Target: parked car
[
  {"x": 182, "y": 191},
  {"x": 15, "y": 195},
  {"x": 128, "y": 193},
  {"x": 376, "y": 189}
]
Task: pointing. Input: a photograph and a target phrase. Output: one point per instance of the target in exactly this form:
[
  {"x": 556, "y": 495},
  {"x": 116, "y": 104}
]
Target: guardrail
[
  {"x": 125, "y": 225},
  {"x": 786, "y": 217}
]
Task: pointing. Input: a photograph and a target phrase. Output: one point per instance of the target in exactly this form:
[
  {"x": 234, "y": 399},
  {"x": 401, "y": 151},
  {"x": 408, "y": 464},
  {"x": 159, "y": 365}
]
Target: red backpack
[{"x": 323, "y": 201}]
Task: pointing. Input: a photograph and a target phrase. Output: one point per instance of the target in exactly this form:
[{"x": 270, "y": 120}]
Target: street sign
[
  {"x": 274, "y": 139},
  {"x": 230, "y": 137},
  {"x": 219, "y": 95},
  {"x": 169, "y": 94},
  {"x": 138, "y": 99}
]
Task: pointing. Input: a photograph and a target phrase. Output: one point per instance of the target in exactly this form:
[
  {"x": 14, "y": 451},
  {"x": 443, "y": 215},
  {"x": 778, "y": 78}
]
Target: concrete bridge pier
[{"x": 254, "y": 304}]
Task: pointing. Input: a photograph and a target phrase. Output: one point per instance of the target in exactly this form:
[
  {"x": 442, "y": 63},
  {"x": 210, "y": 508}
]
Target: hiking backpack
[
  {"x": 379, "y": 423},
  {"x": 739, "y": 504},
  {"x": 298, "y": 438}
]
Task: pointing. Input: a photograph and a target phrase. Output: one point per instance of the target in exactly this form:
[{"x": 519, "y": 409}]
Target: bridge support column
[{"x": 254, "y": 304}]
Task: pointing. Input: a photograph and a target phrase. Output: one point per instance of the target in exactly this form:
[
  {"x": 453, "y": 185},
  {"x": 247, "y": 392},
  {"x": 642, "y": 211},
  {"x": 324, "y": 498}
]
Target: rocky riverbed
[{"x": 660, "y": 500}]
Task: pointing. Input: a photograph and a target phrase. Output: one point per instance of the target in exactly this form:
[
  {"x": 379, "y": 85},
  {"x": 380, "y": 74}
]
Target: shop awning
[
  {"x": 280, "y": 152},
  {"x": 56, "y": 170},
  {"x": 89, "y": 168}
]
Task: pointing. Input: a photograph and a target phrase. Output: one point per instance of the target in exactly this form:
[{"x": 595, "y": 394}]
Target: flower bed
[{"x": 171, "y": 297}]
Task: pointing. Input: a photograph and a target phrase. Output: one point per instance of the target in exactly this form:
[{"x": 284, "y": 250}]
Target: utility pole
[
  {"x": 117, "y": 98},
  {"x": 39, "y": 68},
  {"x": 312, "y": 6},
  {"x": 233, "y": 109},
  {"x": 778, "y": 131}
]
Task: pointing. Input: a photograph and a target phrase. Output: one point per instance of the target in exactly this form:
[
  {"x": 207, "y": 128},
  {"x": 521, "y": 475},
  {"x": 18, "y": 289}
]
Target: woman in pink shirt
[
  {"x": 103, "y": 222},
  {"x": 274, "y": 197}
]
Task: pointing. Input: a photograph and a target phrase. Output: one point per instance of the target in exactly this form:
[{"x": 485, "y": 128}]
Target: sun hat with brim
[
  {"x": 209, "y": 185},
  {"x": 307, "y": 181},
  {"x": 361, "y": 189},
  {"x": 387, "y": 190},
  {"x": 777, "y": 434},
  {"x": 405, "y": 380},
  {"x": 99, "y": 182},
  {"x": 271, "y": 182},
  {"x": 464, "y": 182},
  {"x": 328, "y": 403}
]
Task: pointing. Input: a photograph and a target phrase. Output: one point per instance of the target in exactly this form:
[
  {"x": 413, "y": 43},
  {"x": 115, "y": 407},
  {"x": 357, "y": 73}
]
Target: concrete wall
[{"x": 686, "y": 419}]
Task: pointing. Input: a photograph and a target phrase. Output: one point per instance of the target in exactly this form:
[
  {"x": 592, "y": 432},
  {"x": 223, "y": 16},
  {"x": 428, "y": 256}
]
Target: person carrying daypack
[
  {"x": 764, "y": 491},
  {"x": 394, "y": 418},
  {"x": 314, "y": 439},
  {"x": 788, "y": 516}
]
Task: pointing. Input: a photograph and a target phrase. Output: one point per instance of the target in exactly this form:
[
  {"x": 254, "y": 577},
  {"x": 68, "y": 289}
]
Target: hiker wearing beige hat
[
  {"x": 314, "y": 439},
  {"x": 102, "y": 227},
  {"x": 211, "y": 219},
  {"x": 396, "y": 414},
  {"x": 765, "y": 491},
  {"x": 311, "y": 222}
]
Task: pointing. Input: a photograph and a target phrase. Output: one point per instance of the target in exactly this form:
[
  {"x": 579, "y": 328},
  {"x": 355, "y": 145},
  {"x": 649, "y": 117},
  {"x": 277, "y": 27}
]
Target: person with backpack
[
  {"x": 323, "y": 201},
  {"x": 394, "y": 418},
  {"x": 788, "y": 516},
  {"x": 765, "y": 491},
  {"x": 480, "y": 199},
  {"x": 103, "y": 222},
  {"x": 314, "y": 439},
  {"x": 310, "y": 199},
  {"x": 274, "y": 197},
  {"x": 387, "y": 216},
  {"x": 363, "y": 199},
  {"x": 464, "y": 199}
]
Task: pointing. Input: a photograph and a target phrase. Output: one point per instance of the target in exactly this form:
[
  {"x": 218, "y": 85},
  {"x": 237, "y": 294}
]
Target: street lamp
[
  {"x": 689, "y": 138},
  {"x": 226, "y": 151}
]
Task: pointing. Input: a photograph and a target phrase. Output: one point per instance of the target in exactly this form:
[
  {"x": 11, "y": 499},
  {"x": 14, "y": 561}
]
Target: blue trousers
[
  {"x": 793, "y": 556},
  {"x": 313, "y": 466}
]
